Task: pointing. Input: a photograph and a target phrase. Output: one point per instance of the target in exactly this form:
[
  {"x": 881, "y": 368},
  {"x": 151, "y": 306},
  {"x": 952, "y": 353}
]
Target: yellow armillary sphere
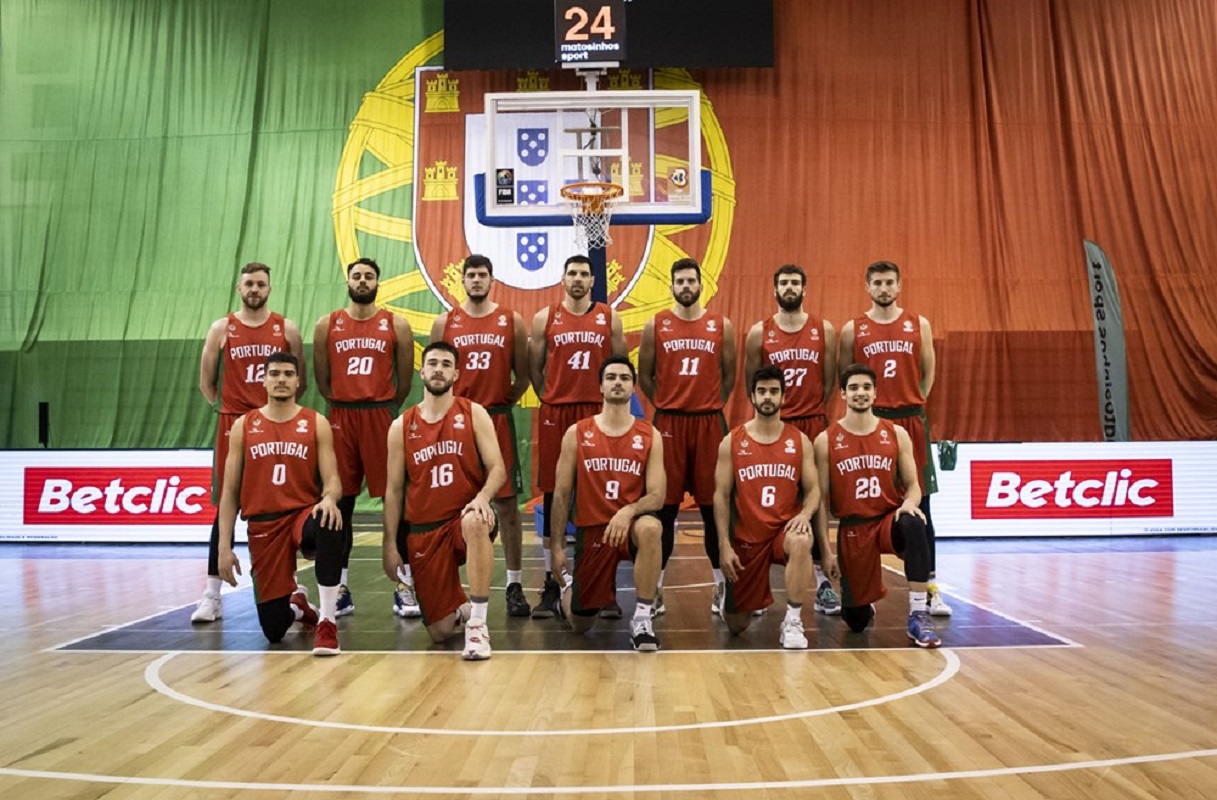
[{"x": 384, "y": 129}]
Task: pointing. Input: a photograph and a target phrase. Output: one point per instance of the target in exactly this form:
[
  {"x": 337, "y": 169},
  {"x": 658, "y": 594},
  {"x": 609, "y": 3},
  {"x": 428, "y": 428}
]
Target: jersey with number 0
[
  {"x": 610, "y": 471},
  {"x": 768, "y": 482},
  {"x": 280, "y": 471},
  {"x": 487, "y": 347},
  {"x": 362, "y": 355},
  {"x": 443, "y": 468},
  {"x": 244, "y": 360},
  {"x": 862, "y": 471},
  {"x": 688, "y": 362},
  {"x": 893, "y": 351},
  {"x": 576, "y": 345},
  {"x": 800, "y": 357}
]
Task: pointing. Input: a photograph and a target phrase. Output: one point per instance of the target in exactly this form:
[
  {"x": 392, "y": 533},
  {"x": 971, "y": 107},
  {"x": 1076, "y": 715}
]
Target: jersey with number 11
[
  {"x": 361, "y": 354},
  {"x": 443, "y": 468},
  {"x": 610, "y": 471},
  {"x": 576, "y": 345},
  {"x": 688, "y": 362}
]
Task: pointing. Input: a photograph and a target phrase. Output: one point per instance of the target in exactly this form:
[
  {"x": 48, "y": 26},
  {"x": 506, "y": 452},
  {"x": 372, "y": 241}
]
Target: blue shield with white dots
[
  {"x": 532, "y": 145},
  {"x": 532, "y": 250},
  {"x": 532, "y": 193}
]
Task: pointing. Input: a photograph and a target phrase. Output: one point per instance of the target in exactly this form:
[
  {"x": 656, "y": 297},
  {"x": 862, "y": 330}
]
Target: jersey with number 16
[{"x": 443, "y": 468}]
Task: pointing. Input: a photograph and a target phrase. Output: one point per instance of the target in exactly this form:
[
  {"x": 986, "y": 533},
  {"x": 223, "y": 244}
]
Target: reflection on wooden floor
[{"x": 1071, "y": 669}]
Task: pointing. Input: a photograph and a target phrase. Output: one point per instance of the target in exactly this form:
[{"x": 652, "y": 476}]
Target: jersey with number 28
[
  {"x": 610, "y": 471},
  {"x": 443, "y": 468},
  {"x": 862, "y": 471}
]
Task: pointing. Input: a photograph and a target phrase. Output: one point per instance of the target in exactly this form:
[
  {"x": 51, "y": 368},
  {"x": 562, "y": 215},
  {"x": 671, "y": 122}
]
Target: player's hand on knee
[
  {"x": 481, "y": 511},
  {"x": 799, "y": 526},
  {"x": 326, "y": 512},
  {"x": 905, "y": 508},
  {"x": 618, "y": 528}
]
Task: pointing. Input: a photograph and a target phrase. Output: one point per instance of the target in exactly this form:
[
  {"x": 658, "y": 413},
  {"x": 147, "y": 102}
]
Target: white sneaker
[
  {"x": 477, "y": 641},
  {"x": 792, "y": 636},
  {"x": 209, "y": 609},
  {"x": 716, "y": 601},
  {"x": 643, "y": 635},
  {"x": 938, "y": 606},
  {"x": 405, "y": 601}
]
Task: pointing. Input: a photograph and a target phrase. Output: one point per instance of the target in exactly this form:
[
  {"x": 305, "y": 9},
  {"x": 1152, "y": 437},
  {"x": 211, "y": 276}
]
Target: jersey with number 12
[
  {"x": 244, "y": 357},
  {"x": 768, "y": 482},
  {"x": 443, "y": 468},
  {"x": 610, "y": 471},
  {"x": 486, "y": 346},
  {"x": 576, "y": 345},
  {"x": 893, "y": 351},
  {"x": 362, "y": 354}
]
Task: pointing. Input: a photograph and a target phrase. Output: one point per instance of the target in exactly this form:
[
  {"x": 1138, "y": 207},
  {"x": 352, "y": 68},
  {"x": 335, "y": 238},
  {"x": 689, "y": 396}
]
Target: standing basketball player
[
  {"x": 570, "y": 340},
  {"x": 899, "y": 347},
  {"x": 869, "y": 478},
  {"x": 686, "y": 365},
  {"x": 766, "y": 494},
  {"x": 613, "y": 463},
  {"x": 363, "y": 360},
  {"x": 278, "y": 456},
  {"x": 493, "y": 343},
  {"x": 237, "y": 346},
  {"x": 805, "y": 349},
  {"x": 444, "y": 458}
]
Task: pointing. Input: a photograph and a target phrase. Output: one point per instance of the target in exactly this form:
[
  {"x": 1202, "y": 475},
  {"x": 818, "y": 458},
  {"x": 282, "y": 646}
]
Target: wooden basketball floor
[{"x": 1071, "y": 669}]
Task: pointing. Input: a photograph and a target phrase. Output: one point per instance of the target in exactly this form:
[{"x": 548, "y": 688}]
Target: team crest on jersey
[
  {"x": 840, "y": 445},
  {"x": 637, "y": 441},
  {"x": 908, "y": 326},
  {"x": 302, "y": 426},
  {"x": 743, "y": 446},
  {"x": 339, "y": 321},
  {"x": 502, "y": 320},
  {"x": 459, "y": 421},
  {"x": 600, "y": 318},
  {"x": 814, "y": 333},
  {"x": 667, "y": 323},
  {"x": 863, "y": 330},
  {"x": 231, "y": 327},
  {"x": 790, "y": 445},
  {"x": 772, "y": 334},
  {"x": 557, "y": 318},
  {"x": 257, "y": 423},
  {"x": 883, "y": 435},
  {"x": 384, "y": 324},
  {"x": 276, "y": 327},
  {"x": 711, "y": 325}
]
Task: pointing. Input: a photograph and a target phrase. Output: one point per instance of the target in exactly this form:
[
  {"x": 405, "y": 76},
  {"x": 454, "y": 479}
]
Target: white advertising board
[
  {"x": 106, "y": 496},
  {"x": 1078, "y": 489}
]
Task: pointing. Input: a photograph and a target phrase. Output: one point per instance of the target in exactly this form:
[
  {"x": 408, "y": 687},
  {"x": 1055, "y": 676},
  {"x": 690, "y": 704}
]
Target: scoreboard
[{"x": 589, "y": 32}]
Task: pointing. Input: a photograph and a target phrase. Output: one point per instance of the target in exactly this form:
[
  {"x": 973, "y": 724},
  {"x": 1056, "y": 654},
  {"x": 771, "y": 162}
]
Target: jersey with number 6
[
  {"x": 486, "y": 346},
  {"x": 361, "y": 354},
  {"x": 443, "y": 468},
  {"x": 688, "y": 362},
  {"x": 280, "y": 471},
  {"x": 862, "y": 471},
  {"x": 244, "y": 358},
  {"x": 893, "y": 351},
  {"x": 768, "y": 482},
  {"x": 800, "y": 357},
  {"x": 610, "y": 471},
  {"x": 576, "y": 344}
]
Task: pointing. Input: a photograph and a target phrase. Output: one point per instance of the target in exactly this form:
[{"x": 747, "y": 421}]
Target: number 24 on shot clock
[{"x": 589, "y": 31}]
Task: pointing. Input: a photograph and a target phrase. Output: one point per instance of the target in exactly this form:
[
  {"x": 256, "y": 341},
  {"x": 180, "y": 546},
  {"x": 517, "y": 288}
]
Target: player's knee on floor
[
  {"x": 275, "y": 617},
  {"x": 738, "y": 623},
  {"x": 582, "y": 621},
  {"x": 858, "y": 617}
]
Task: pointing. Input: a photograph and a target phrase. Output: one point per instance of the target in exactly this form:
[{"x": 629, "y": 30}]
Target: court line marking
[
  {"x": 153, "y": 678},
  {"x": 814, "y": 783},
  {"x": 498, "y": 654}
]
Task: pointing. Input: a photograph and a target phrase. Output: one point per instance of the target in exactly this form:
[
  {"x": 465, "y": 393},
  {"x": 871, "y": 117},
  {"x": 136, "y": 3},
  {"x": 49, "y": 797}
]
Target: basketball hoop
[{"x": 591, "y": 207}]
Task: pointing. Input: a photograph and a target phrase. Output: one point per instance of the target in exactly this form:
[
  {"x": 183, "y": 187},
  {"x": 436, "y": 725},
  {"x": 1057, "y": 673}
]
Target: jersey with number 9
[
  {"x": 443, "y": 469},
  {"x": 280, "y": 471},
  {"x": 610, "y": 471}
]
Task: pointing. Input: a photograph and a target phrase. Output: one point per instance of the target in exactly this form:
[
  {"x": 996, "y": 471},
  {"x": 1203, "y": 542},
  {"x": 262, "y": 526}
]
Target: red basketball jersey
[
  {"x": 576, "y": 345},
  {"x": 362, "y": 355},
  {"x": 610, "y": 471},
  {"x": 800, "y": 356},
  {"x": 244, "y": 362},
  {"x": 280, "y": 473},
  {"x": 768, "y": 482},
  {"x": 862, "y": 471},
  {"x": 443, "y": 468},
  {"x": 688, "y": 362},
  {"x": 893, "y": 351},
  {"x": 486, "y": 346}
]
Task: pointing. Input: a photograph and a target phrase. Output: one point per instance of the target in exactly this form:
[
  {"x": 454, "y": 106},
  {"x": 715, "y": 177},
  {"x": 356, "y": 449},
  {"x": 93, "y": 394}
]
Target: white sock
[
  {"x": 513, "y": 576},
  {"x": 549, "y": 560},
  {"x": 329, "y": 602},
  {"x": 642, "y": 610},
  {"x": 718, "y": 575},
  {"x": 918, "y": 601},
  {"x": 478, "y": 610},
  {"x": 793, "y": 613},
  {"x": 343, "y": 579},
  {"x": 213, "y": 586},
  {"x": 659, "y": 583},
  {"x": 821, "y": 578},
  {"x": 405, "y": 575}
]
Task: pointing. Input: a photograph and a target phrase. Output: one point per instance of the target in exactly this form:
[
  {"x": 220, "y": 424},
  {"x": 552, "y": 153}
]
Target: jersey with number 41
[
  {"x": 443, "y": 468},
  {"x": 610, "y": 471},
  {"x": 362, "y": 354},
  {"x": 893, "y": 351},
  {"x": 576, "y": 345},
  {"x": 768, "y": 482}
]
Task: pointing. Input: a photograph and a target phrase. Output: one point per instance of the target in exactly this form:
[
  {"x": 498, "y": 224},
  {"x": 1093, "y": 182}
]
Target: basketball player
[
  {"x": 613, "y": 463},
  {"x": 686, "y": 366},
  {"x": 237, "y": 346},
  {"x": 569, "y": 340},
  {"x": 278, "y": 455},
  {"x": 869, "y": 478},
  {"x": 805, "y": 349},
  {"x": 899, "y": 347},
  {"x": 493, "y": 343},
  {"x": 766, "y": 494},
  {"x": 444, "y": 458},
  {"x": 363, "y": 360}
]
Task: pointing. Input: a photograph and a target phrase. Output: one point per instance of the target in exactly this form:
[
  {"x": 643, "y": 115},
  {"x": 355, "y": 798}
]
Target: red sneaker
[
  {"x": 326, "y": 641},
  {"x": 308, "y": 613}
]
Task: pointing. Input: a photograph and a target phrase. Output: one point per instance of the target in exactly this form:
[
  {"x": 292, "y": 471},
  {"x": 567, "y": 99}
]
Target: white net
[{"x": 591, "y": 210}]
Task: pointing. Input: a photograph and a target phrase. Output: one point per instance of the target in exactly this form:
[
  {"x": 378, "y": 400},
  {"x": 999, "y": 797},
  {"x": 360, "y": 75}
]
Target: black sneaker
[
  {"x": 551, "y": 601},
  {"x": 517, "y": 606},
  {"x": 611, "y": 612},
  {"x": 644, "y": 638}
]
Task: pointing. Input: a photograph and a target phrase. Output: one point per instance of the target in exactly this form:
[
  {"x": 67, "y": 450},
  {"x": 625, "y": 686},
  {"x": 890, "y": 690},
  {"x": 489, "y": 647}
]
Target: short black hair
[
  {"x": 365, "y": 262},
  {"x": 882, "y": 266},
  {"x": 857, "y": 369},
  {"x": 768, "y": 372},
  {"x": 476, "y": 260},
  {"x": 443, "y": 347},
  {"x": 611, "y": 360},
  {"x": 577, "y": 258},
  {"x": 283, "y": 357},
  {"x": 789, "y": 269},
  {"x": 686, "y": 263}
]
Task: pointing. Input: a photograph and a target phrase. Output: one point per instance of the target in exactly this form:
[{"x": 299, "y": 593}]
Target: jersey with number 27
[
  {"x": 610, "y": 471},
  {"x": 486, "y": 346},
  {"x": 768, "y": 482},
  {"x": 893, "y": 351},
  {"x": 576, "y": 345},
  {"x": 800, "y": 357},
  {"x": 362, "y": 356},
  {"x": 443, "y": 467},
  {"x": 244, "y": 358}
]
